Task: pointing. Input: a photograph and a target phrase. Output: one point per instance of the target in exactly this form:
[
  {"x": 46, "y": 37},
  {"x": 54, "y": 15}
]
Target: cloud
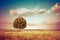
[
  {"x": 12, "y": 12},
  {"x": 24, "y": 11},
  {"x": 56, "y": 8}
]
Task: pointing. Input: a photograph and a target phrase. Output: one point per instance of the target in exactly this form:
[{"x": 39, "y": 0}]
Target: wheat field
[{"x": 29, "y": 35}]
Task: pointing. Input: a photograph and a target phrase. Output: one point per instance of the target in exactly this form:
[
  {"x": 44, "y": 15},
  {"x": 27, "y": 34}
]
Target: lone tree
[{"x": 19, "y": 23}]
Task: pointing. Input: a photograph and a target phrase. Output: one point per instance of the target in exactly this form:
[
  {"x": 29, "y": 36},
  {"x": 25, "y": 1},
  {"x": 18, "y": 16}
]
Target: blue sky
[{"x": 7, "y": 5}]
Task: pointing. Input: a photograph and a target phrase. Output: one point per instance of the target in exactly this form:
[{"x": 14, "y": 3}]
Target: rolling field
[{"x": 29, "y": 35}]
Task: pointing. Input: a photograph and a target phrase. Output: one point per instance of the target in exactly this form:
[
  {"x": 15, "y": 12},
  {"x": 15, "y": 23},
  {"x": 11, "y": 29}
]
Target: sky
[{"x": 39, "y": 14}]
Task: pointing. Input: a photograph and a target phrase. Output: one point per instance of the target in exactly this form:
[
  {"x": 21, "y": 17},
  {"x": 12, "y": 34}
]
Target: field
[{"x": 29, "y": 35}]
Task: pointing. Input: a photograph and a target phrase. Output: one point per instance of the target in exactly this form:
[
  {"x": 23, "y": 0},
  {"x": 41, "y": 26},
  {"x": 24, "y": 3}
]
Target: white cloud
[
  {"x": 56, "y": 8},
  {"x": 24, "y": 11},
  {"x": 12, "y": 12}
]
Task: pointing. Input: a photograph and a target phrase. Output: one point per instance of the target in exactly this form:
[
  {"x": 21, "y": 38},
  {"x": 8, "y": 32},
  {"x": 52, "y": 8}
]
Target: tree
[{"x": 19, "y": 23}]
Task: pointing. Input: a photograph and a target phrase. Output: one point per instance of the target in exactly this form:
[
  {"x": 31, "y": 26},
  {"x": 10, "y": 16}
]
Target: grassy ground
[{"x": 29, "y": 35}]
